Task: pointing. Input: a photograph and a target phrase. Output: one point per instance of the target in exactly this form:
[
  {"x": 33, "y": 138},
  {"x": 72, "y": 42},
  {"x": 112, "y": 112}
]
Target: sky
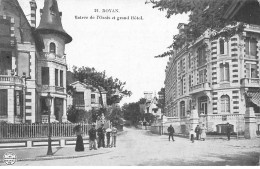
[{"x": 125, "y": 49}]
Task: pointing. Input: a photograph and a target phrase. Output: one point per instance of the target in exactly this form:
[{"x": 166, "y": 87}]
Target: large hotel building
[{"x": 213, "y": 78}]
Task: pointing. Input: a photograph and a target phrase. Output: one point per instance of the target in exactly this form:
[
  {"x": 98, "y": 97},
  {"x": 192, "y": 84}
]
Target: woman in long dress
[
  {"x": 203, "y": 132},
  {"x": 79, "y": 141}
]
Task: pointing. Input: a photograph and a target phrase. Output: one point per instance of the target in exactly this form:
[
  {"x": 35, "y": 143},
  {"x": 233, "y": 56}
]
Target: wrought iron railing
[{"x": 18, "y": 131}]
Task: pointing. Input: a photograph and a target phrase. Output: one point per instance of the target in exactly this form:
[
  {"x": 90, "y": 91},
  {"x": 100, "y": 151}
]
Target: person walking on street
[
  {"x": 197, "y": 131},
  {"x": 171, "y": 132},
  {"x": 92, "y": 137},
  {"x": 228, "y": 131},
  {"x": 114, "y": 134},
  {"x": 203, "y": 132},
  {"x": 101, "y": 136}
]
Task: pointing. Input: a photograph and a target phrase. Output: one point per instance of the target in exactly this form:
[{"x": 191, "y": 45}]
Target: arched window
[
  {"x": 221, "y": 46},
  {"x": 52, "y": 47},
  {"x": 225, "y": 104}
]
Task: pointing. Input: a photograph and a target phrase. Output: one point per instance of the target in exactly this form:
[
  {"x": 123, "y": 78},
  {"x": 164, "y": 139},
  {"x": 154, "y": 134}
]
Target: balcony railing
[
  {"x": 248, "y": 82},
  {"x": 52, "y": 89},
  {"x": 200, "y": 87},
  {"x": 53, "y": 57},
  {"x": 251, "y": 27},
  {"x": 225, "y": 117},
  {"x": 4, "y": 79}
]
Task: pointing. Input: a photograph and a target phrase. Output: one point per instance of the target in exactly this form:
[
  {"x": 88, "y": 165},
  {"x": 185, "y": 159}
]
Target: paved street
[{"x": 138, "y": 147}]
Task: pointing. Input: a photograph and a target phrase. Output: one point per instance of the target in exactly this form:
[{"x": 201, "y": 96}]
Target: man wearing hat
[
  {"x": 92, "y": 137},
  {"x": 101, "y": 136},
  {"x": 228, "y": 131}
]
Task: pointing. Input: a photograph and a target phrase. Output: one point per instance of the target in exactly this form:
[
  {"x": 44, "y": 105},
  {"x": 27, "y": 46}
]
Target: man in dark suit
[
  {"x": 229, "y": 128},
  {"x": 101, "y": 136},
  {"x": 92, "y": 137},
  {"x": 197, "y": 131},
  {"x": 171, "y": 132}
]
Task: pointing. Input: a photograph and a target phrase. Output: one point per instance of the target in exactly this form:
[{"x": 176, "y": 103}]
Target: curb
[{"x": 58, "y": 157}]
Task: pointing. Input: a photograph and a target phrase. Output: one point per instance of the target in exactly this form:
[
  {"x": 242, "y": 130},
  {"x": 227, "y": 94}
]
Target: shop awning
[{"x": 255, "y": 97}]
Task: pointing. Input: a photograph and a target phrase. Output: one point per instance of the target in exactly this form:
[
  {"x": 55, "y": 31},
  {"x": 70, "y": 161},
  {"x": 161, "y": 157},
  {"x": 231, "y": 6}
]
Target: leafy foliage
[
  {"x": 203, "y": 15},
  {"x": 102, "y": 83},
  {"x": 70, "y": 90},
  {"x": 115, "y": 115},
  {"x": 132, "y": 112},
  {"x": 75, "y": 115},
  {"x": 142, "y": 101},
  {"x": 150, "y": 118},
  {"x": 161, "y": 101}
]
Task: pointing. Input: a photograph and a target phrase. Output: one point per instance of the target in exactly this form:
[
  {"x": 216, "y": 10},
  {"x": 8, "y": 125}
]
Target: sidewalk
[{"x": 39, "y": 153}]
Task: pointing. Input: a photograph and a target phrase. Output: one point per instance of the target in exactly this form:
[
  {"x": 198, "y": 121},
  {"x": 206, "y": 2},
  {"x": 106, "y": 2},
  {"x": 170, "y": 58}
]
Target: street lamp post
[{"x": 49, "y": 103}]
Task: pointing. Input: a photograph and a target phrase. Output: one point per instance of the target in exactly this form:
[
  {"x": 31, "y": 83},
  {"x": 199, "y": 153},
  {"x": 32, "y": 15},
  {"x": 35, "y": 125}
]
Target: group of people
[
  {"x": 96, "y": 137},
  {"x": 200, "y": 133}
]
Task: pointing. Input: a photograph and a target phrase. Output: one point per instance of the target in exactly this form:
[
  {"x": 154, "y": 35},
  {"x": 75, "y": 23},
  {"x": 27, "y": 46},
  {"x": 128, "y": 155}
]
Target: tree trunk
[{"x": 101, "y": 100}]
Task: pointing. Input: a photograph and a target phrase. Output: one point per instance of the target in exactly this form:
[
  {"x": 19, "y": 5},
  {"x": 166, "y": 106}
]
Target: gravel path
[{"x": 139, "y": 147}]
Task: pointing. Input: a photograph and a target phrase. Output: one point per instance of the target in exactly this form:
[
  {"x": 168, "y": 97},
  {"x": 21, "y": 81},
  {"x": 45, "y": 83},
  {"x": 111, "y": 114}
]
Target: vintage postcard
[{"x": 129, "y": 83}]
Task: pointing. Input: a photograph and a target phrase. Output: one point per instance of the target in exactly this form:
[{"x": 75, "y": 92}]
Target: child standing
[
  {"x": 192, "y": 135},
  {"x": 108, "y": 134},
  {"x": 114, "y": 133}
]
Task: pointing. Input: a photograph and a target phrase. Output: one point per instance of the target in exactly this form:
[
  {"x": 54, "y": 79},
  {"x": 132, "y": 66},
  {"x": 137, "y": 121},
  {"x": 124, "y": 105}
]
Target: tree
[
  {"x": 75, "y": 115},
  {"x": 203, "y": 15},
  {"x": 116, "y": 115},
  {"x": 161, "y": 100},
  {"x": 150, "y": 118},
  {"x": 132, "y": 112},
  {"x": 101, "y": 82},
  {"x": 142, "y": 101}
]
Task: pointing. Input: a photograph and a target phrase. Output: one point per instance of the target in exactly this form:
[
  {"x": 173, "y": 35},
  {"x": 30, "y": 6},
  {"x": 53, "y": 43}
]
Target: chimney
[{"x": 33, "y": 13}]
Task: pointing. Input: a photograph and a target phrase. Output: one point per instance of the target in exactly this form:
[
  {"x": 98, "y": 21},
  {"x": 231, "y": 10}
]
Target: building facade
[
  {"x": 32, "y": 63},
  {"x": 151, "y": 104},
  {"x": 212, "y": 77},
  {"x": 86, "y": 97}
]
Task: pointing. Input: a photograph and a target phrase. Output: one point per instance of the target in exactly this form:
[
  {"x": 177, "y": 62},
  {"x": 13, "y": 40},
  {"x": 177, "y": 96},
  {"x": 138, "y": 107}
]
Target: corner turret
[{"x": 51, "y": 20}]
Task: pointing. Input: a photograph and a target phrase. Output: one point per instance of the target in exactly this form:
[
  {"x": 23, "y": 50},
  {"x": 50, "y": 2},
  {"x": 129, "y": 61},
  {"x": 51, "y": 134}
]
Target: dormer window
[{"x": 52, "y": 48}]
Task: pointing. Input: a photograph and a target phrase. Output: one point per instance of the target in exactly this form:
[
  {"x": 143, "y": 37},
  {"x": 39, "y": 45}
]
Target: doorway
[{"x": 203, "y": 105}]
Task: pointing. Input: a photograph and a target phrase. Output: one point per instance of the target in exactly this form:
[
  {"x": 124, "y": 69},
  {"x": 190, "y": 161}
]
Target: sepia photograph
[{"x": 129, "y": 83}]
